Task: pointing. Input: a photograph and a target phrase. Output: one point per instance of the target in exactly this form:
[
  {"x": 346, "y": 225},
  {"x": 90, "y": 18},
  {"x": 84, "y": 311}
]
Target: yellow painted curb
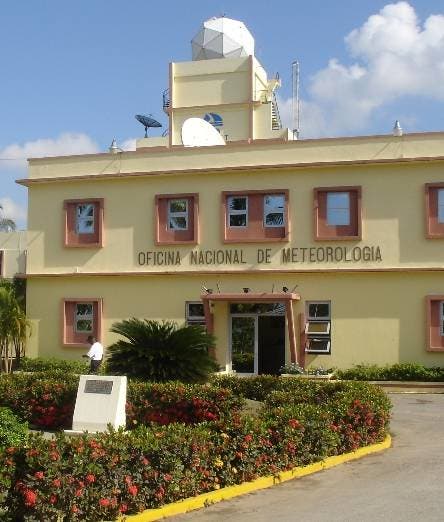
[{"x": 190, "y": 504}]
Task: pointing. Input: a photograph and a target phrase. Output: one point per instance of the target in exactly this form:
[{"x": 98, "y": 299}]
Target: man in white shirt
[{"x": 95, "y": 354}]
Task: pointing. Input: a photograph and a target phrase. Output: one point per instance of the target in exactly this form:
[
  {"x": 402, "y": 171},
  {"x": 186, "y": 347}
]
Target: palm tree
[
  {"x": 14, "y": 327},
  {"x": 161, "y": 351},
  {"x": 6, "y": 225}
]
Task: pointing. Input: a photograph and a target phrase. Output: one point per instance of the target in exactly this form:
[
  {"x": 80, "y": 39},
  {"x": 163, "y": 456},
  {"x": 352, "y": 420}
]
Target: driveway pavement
[{"x": 404, "y": 483}]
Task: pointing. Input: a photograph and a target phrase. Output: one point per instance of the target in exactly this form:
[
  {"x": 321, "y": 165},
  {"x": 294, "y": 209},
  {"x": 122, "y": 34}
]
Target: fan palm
[
  {"x": 161, "y": 351},
  {"x": 6, "y": 225}
]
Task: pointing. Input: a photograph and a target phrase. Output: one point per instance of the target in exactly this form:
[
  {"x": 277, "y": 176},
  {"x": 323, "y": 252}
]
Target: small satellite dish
[
  {"x": 196, "y": 132},
  {"x": 147, "y": 122}
]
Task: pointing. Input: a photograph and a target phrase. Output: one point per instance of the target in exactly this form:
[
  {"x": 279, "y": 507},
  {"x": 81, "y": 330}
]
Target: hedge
[
  {"x": 395, "y": 372},
  {"x": 47, "y": 402},
  {"x": 103, "y": 476}
]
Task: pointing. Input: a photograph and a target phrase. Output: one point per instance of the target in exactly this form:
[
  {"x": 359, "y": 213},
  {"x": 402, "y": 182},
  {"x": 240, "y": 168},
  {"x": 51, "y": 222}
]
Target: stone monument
[{"x": 100, "y": 401}]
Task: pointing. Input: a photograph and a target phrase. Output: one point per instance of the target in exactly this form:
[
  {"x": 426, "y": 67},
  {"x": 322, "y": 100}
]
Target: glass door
[{"x": 244, "y": 342}]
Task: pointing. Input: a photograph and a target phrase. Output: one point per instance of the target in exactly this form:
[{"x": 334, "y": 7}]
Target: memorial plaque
[
  {"x": 96, "y": 386},
  {"x": 100, "y": 402}
]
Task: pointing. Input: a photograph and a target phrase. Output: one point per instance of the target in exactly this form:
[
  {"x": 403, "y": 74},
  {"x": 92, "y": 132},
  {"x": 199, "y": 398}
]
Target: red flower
[
  {"x": 294, "y": 424},
  {"x": 52, "y": 499},
  {"x": 90, "y": 478},
  {"x": 104, "y": 502},
  {"x": 74, "y": 509},
  {"x": 167, "y": 477},
  {"x": 132, "y": 490},
  {"x": 123, "y": 508},
  {"x": 248, "y": 438},
  {"x": 78, "y": 493},
  {"x": 30, "y": 497},
  {"x": 39, "y": 474},
  {"x": 57, "y": 483}
]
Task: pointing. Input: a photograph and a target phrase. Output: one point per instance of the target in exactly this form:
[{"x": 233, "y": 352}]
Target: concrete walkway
[{"x": 402, "y": 484}]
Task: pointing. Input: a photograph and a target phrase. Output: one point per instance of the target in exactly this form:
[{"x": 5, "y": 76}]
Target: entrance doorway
[{"x": 257, "y": 337}]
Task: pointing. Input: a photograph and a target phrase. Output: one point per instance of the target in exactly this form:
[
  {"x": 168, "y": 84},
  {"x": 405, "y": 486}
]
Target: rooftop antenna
[
  {"x": 147, "y": 122},
  {"x": 296, "y": 107}
]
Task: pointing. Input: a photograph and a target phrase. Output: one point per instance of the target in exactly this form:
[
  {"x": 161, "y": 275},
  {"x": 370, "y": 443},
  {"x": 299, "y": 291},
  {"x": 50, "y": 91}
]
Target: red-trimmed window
[
  {"x": 81, "y": 318},
  {"x": 83, "y": 222},
  {"x": 434, "y": 210},
  {"x": 176, "y": 219},
  {"x": 337, "y": 213},
  {"x": 435, "y": 323},
  {"x": 255, "y": 216}
]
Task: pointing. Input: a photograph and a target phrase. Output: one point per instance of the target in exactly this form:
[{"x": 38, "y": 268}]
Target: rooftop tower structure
[{"x": 223, "y": 84}]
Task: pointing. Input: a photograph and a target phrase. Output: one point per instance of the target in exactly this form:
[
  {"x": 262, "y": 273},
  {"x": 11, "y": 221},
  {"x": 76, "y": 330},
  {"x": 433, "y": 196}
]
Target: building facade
[
  {"x": 12, "y": 254},
  {"x": 322, "y": 251}
]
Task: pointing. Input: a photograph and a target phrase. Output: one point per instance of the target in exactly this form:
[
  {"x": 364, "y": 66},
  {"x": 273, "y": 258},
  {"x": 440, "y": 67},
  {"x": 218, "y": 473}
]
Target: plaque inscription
[{"x": 96, "y": 386}]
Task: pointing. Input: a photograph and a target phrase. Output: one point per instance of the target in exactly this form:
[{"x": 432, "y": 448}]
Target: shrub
[
  {"x": 45, "y": 402},
  {"x": 115, "y": 473},
  {"x": 160, "y": 352},
  {"x": 13, "y": 431},
  {"x": 53, "y": 365},
  {"x": 395, "y": 372},
  {"x": 176, "y": 402}
]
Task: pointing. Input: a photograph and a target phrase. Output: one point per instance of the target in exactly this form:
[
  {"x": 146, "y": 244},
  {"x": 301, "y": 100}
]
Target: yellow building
[
  {"x": 12, "y": 254},
  {"x": 321, "y": 251}
]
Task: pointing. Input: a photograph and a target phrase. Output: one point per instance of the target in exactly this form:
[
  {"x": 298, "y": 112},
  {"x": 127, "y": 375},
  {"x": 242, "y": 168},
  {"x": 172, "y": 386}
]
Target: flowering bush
[
  {"x": 103, "y": 476},
  {"x": 176, "y": 402},
  {"x": 48, "y": 403}
]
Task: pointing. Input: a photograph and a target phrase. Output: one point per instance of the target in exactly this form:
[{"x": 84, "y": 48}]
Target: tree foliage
[
  {"x": 161, "y": 351},
  {"x": 14, "y": 326},
  {"x": 6, "y": 224}
]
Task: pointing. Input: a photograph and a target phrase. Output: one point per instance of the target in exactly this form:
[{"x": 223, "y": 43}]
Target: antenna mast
[{"x": 296, "y": 107}]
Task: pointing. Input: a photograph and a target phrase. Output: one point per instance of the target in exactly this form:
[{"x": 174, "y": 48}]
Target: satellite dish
[
  {"x": 196, "y": 132},
  {"x": 147, "y": 122}
]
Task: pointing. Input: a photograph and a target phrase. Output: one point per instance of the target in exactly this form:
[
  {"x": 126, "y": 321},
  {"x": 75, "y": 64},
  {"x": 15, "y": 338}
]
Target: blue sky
[{"x": 76, "y": 73}]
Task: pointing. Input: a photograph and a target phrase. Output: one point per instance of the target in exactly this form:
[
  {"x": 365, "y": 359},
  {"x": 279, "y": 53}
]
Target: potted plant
[{"x": 291, "y": 370}]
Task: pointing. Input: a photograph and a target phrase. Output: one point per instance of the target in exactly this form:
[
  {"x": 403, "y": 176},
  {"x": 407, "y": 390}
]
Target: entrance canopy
[{"x": 255, "y": 297}]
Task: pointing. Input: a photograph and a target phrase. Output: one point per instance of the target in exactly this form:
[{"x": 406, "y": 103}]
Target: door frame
[
  {"x": 256, "y": 342},
  {"x": 256, "y": 338}
]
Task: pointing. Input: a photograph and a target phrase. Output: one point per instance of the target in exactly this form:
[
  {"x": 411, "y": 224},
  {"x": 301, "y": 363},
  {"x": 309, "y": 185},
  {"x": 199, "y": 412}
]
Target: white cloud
[
  {"x": 12, "y": 197},
  {"x": 129, "y": 144},
  {"x": 65, "y": 144},
  {"x": 12, "y": 210},
  {"x": 395, "y": 56}
]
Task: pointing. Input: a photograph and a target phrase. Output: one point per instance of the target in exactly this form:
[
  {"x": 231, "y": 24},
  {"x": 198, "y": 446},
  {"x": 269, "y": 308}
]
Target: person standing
[{"x": 95, "y": 354}]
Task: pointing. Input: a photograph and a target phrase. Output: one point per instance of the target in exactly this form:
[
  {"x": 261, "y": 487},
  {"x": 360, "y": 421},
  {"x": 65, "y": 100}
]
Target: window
[
  {"x": 85, "y": 218},
  {"x": 338, "y": 209},
  {"x": 435, "y": 323},
  {"x": 237, "y": 211},
  {"x": 337, "y": 213},
  {"x": 274, "y": 210},
  {"x": 317, "y": 327},
  {"x": 255, "y": 216},
  {"x": 84, "y": 317},
  {"x": 441, "y": 205},
  {"x": 176, "y": 219},
  {"x": 194, "y": 313},
  {"x": 81, "y": 318},
  {"x": 83, "y": 222},
  {"x": 434, "y": 210},
  {"x": 178, "y": 214}
]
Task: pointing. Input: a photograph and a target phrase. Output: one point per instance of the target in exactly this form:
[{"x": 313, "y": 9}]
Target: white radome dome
[{"x": 222, "y": 38}]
